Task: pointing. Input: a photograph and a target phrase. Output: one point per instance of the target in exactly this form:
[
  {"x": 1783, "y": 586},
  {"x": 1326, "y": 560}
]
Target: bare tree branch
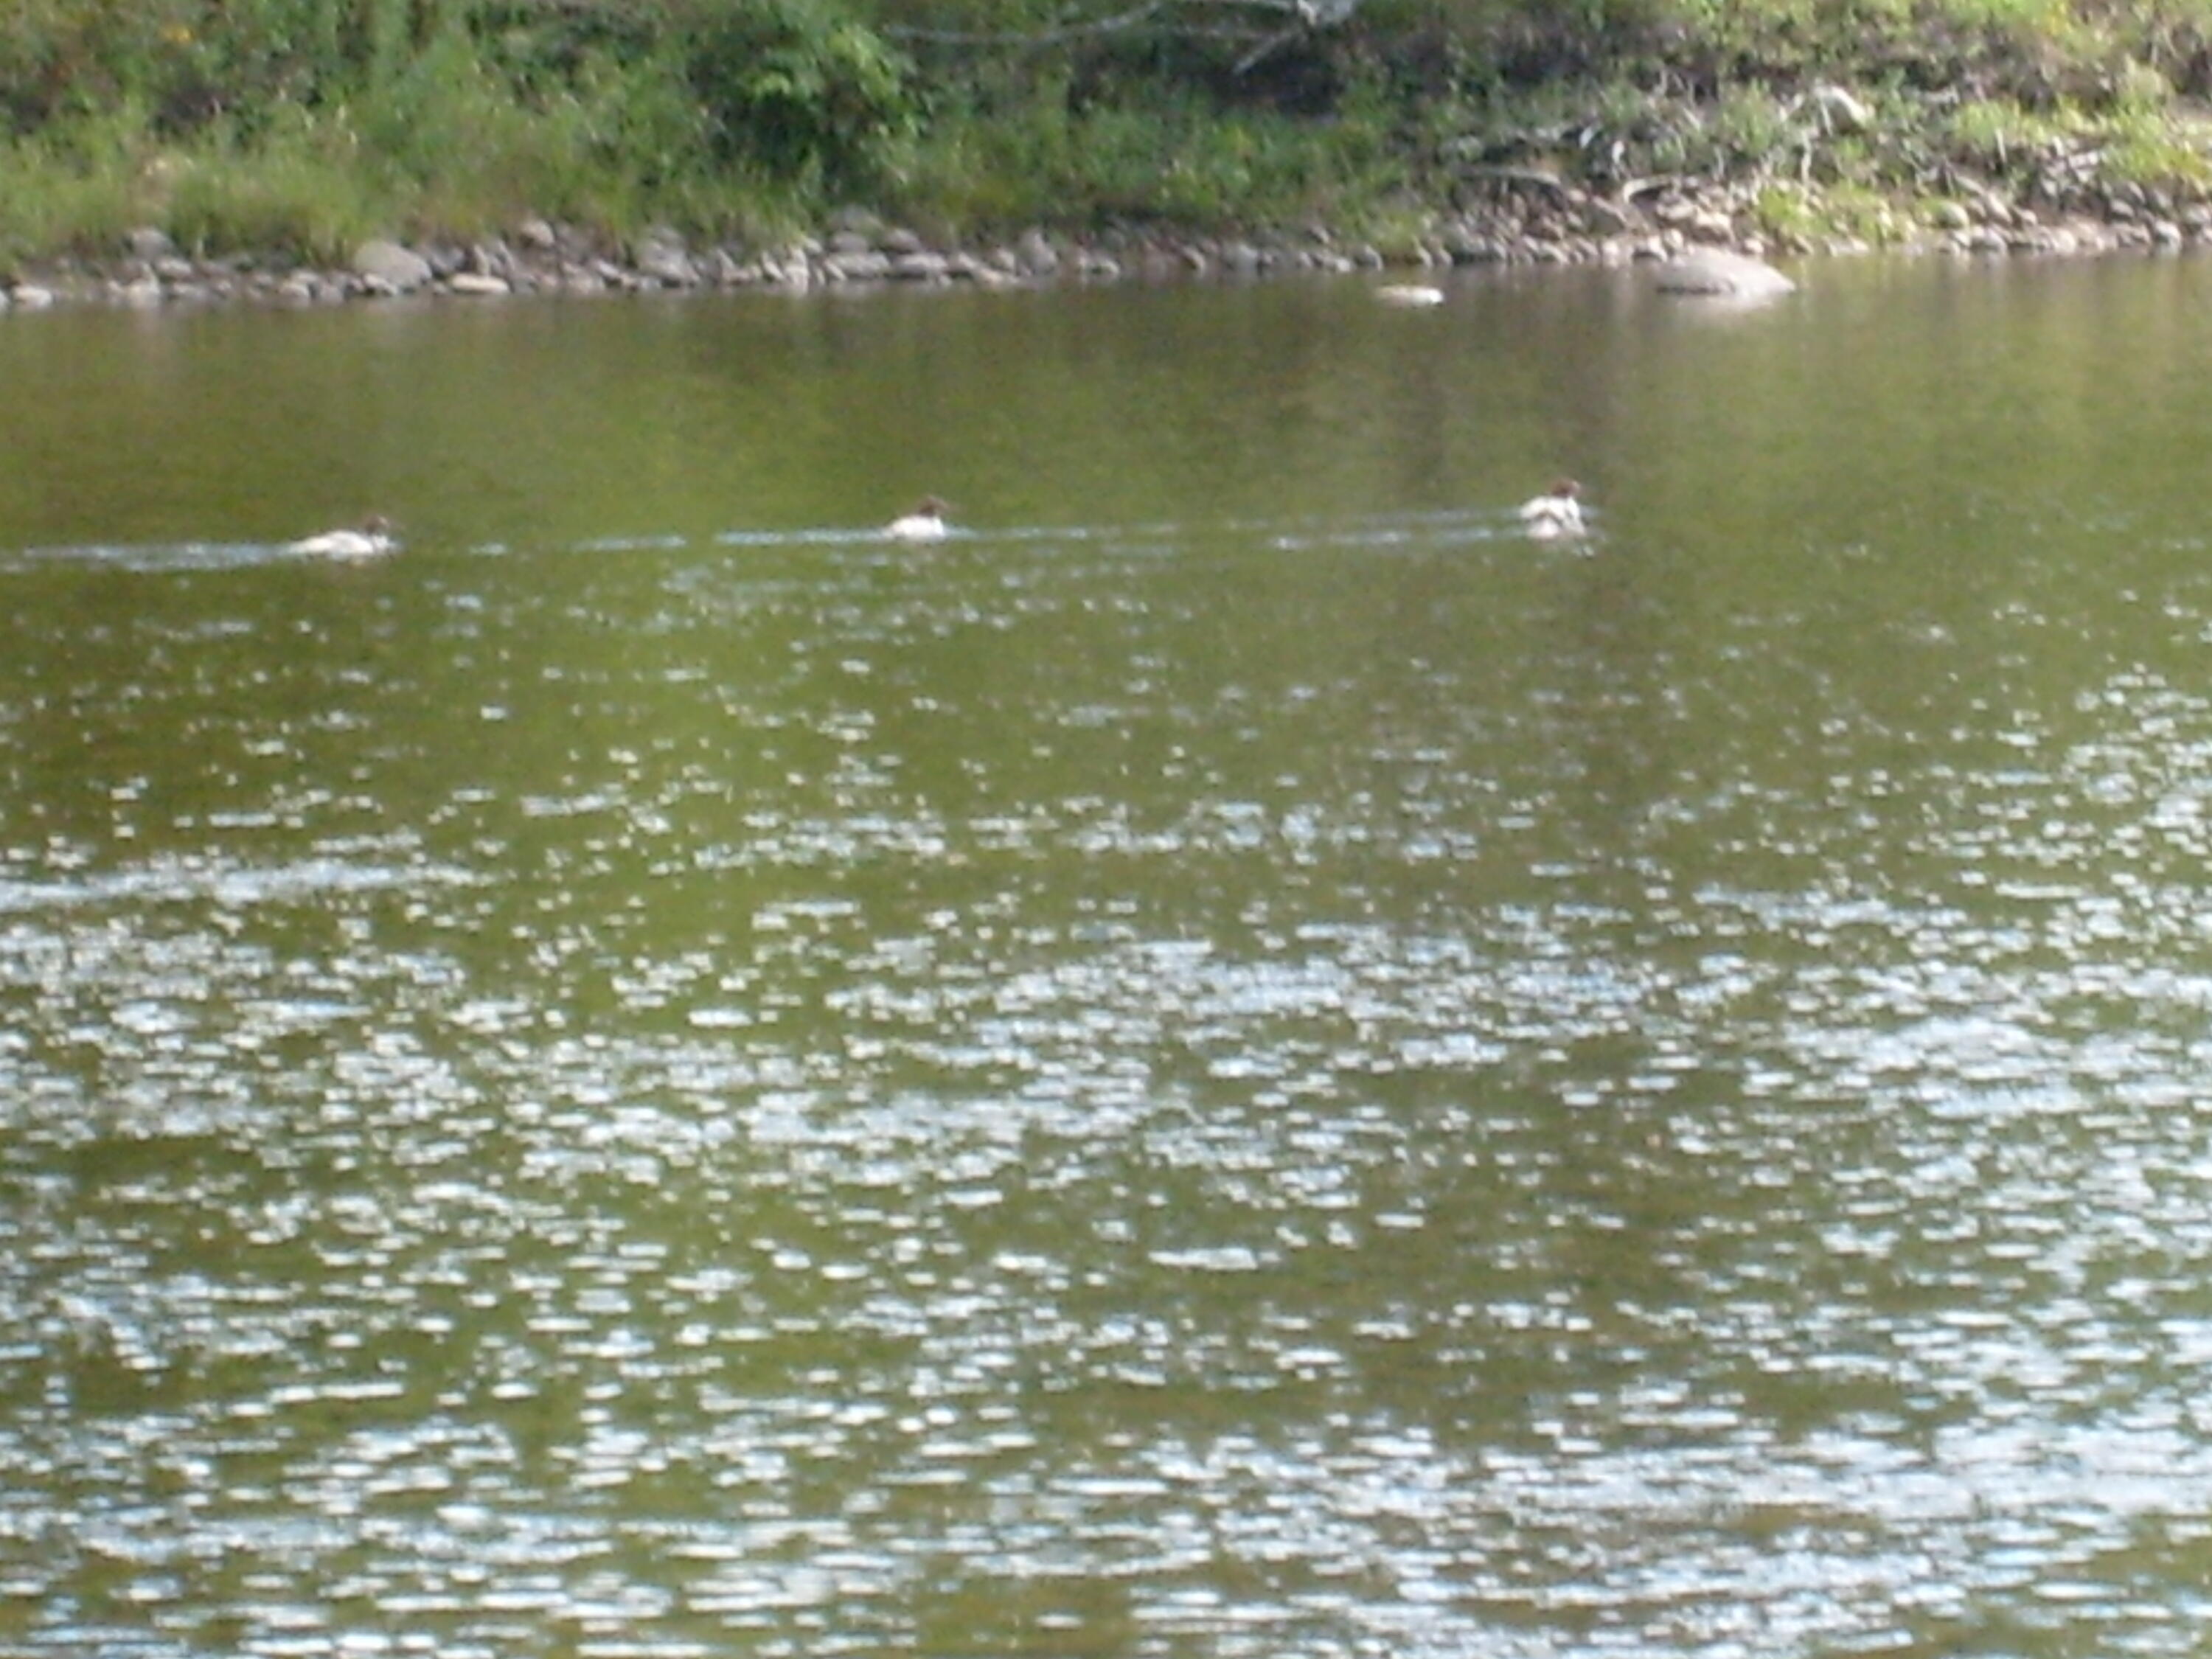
[
  {"x": 1309, "y": 16},
  {"x": 1128, "y": 19}
]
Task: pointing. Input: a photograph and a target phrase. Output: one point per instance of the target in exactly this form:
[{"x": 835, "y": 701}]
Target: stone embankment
[{"x": 1522, "y": 218}]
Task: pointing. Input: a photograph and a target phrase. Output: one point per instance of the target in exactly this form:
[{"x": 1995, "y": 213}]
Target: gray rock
[
  {"x": 150, "y": 242},
  {"x": 32, "y": 297},
  {"x": 865, "y": 267},
  {"x": 858, "y": 222},
  {"x": 1037, "y": 253},
  {"x": 478, "y": 284},
  {"x": 398, "y": 270},
  {"x": 1717, "y": 273},
  {"x": 921, "y": 266},
  {"x": 1464, "y": 246},
  {"x": 663, "y": 258}
]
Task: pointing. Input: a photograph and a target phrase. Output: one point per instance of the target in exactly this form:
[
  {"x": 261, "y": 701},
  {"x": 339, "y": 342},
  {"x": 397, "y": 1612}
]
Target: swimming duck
[
  {"x": 925, "y": 524},
  {"x": 1555, "y": 512},
  {"x": 1414, "y": 294},
  {"x": 371, "y": 540}
]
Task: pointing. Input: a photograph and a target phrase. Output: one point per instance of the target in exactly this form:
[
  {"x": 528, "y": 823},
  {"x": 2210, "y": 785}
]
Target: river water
[{"x": 1236, "y": 1062}]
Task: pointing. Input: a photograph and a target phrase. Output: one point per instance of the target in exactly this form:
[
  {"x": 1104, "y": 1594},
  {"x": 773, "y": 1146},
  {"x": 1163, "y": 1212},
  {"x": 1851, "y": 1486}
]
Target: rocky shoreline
[{"x": 1526, "y": 219}]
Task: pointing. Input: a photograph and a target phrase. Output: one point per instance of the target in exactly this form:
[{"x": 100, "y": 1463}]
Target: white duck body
[
  {"x": 371, "y": 540},
  {"x": 1555, "y": 513},
  {"x": 925, "y": 524}
]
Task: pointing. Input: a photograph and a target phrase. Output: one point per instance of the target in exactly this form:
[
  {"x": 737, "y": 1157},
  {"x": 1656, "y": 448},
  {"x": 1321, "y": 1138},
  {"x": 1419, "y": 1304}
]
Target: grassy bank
[{"x": 301, "y": 126}]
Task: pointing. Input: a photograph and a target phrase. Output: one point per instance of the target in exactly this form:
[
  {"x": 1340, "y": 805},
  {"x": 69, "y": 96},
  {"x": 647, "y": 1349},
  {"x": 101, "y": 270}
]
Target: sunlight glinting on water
[{"x": 1219, "y": 1082}]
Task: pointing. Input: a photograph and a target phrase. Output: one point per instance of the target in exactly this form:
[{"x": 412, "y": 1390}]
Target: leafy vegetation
[{"x": 303, "y": 126}]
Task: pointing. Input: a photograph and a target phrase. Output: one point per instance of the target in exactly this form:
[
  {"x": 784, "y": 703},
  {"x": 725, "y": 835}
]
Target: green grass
[{"x": 1170, "y": 160}]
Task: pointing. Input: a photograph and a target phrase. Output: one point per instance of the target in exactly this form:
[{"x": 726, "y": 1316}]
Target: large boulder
[
  {"x": 662, "y": 257},
  {"x": 1037, "y": 254},
  {"x": 399, "y": 269},
  {"x": 1716, "y": 273}
]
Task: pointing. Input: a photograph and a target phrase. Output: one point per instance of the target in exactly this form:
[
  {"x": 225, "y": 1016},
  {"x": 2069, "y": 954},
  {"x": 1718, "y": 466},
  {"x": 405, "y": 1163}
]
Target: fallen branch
[
  {"x": 1307, "y": 16},
  {"x": 1128, "y": 19}
]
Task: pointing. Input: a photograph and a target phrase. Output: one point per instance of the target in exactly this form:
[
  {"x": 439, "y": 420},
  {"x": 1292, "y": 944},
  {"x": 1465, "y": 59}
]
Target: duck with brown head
[
  {"x": 371, "y": 539},
  {"x": 925, "y": 524},
  {"x": 1558, "y": 511}
]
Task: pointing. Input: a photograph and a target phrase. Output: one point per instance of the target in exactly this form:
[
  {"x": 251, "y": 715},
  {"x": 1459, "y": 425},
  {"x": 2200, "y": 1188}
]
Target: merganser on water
[
  {"x": 925, "y": 524},
  {"x": 371, "y": 540},
  {"x": 1409, "y": 294},
  {"x": 1555, "y": 512}
]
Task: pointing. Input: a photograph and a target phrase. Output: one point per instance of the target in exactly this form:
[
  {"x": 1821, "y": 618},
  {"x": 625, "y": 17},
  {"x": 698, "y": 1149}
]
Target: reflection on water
[{"x": 1226, "y": 1077}]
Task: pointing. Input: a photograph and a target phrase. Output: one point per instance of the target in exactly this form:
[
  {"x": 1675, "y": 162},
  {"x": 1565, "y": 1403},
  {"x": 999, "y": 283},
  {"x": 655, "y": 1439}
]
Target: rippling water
[{"x": 1236, "y": 1063}]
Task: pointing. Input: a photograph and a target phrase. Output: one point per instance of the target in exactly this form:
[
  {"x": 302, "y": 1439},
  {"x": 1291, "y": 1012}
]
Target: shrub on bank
[{"x": 303, "y": 125}]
